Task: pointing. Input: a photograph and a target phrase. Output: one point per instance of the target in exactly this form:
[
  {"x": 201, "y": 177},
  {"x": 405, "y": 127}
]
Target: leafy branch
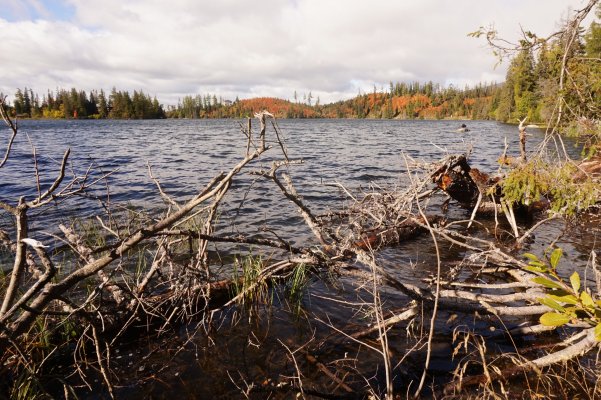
[{"x": 570, "y": 301}]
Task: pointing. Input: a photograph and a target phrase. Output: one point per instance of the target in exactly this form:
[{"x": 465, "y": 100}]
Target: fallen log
[
  {"x": 473, "y": 188},
  {"x": 589, "y": 168},
  {"x": 408, "y": 229}
]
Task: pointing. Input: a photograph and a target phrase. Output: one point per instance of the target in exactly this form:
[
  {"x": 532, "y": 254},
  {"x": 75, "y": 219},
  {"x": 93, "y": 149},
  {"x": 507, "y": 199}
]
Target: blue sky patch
[{"x": 23, "y": 10}]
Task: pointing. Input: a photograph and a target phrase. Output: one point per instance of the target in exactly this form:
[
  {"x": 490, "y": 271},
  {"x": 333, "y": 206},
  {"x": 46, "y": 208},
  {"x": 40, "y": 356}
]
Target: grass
[
  {"x": 297, "y": 285},
  {"x": 248, "y": 282}
]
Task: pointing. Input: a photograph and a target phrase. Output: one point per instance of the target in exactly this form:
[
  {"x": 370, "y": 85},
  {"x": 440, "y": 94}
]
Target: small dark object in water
[{"x": 463, "y": 128}]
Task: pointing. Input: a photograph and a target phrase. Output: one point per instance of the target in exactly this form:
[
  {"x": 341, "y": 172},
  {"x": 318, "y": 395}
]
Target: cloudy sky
[{"x": 333, "y": 48}]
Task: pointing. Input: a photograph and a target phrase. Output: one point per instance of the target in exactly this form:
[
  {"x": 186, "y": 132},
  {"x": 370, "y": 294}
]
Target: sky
[{"x": 237, "y": 48}]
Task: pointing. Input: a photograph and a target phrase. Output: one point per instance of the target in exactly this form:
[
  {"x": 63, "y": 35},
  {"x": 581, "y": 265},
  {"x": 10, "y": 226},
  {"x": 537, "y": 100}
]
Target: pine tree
[
  {"x": 26, "y": 103},
  {"x": 18, "y": 103},
  {"x": 102, "y": 105}
]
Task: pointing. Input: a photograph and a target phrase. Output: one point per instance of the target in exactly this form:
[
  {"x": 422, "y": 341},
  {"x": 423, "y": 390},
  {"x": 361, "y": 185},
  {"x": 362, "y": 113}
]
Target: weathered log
[
  {"x": 463, "y": 183},
  {"x": 407, "y": 229},
  {"x": 453, "y": 177},
  {"x": 589, "y": 168}
]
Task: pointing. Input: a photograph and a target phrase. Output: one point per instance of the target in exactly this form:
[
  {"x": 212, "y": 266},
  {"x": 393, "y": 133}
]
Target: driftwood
[
  {"x": 403, "y": 231},
  {"x": 589, "y": 168},
  {"x": 480, "y": 193}
]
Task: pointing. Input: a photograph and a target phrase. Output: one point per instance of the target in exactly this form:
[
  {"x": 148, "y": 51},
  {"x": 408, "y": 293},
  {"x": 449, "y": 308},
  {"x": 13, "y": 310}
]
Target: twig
[
  {"x": 328, "y": 373},
  {"x": 475, "y": 210},
  {"x": 435, "y": 307},
  {"x": 109, "y": 385},
  {"x": 535, "y": 227},
  {"x": 164, "y": 195},
  {"x": 13, "y": 127}
]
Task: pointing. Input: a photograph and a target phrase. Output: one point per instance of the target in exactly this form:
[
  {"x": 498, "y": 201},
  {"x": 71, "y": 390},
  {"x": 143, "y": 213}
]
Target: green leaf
[
  {"x": 537, "y": 264},
  {"x": 546, "y": 282},
  {"x": 598, "y": 332},
  {"x": 567, "y": 299},
  {"x": 533, "y": 268},
  {"x": 587, "y": 300},
  {"x": 559, "y": 292},
  {"x": 555, "y": 257},
  {"x": 554, "y": 319},
  {"x": 531, "y": 257},
  {"x": 549, "y": 302},
  {"x": 575, "y": 281}
]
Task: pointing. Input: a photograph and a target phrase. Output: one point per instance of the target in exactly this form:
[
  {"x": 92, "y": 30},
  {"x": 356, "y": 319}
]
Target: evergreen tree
[
  {"x": 26, "y": 103},
  {"x": 19, "y": 102},
  {"x": 102, "y": 105}
]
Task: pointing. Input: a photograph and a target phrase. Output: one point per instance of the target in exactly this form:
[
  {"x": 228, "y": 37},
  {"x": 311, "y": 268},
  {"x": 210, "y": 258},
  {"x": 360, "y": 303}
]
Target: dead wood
[
  {"x": 85, "y": 253},
  {"x": 405, "y": 230},
  {"x": 339, "y": 382},
  {"x": 570, "y": 352},
  {"x": 13, "y": 129},
  {"x": 589, "y": 168}
]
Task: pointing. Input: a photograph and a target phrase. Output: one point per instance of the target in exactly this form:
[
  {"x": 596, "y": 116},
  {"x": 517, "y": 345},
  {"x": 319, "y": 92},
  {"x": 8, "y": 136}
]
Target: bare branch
[
  {"x": 46, "y": 197},
  {"x": 11, "y": 125},
  {"x": 20, "y": 213},
  {"x": 164, "y": 195}
]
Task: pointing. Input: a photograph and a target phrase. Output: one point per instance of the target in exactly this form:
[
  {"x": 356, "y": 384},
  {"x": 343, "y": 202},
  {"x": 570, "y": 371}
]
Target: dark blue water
[{"x": 186, "y": 154}]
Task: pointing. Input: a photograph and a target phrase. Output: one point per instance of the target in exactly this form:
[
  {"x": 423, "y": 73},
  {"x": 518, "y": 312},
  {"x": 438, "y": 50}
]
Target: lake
[{"x": 186, "y": 154}]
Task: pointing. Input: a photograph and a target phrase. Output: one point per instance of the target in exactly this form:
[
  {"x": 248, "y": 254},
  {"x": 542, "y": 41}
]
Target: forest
[{"x": 79, "y": 104}]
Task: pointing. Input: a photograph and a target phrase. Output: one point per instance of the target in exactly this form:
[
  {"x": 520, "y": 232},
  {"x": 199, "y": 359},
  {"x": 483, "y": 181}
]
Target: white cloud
[{"x": 267, "y": 48}]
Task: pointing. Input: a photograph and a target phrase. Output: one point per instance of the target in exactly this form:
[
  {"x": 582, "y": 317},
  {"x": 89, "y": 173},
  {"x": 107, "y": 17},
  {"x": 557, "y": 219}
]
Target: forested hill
[
  {"x": 402, "y": 101},
  {"x": 419, "y": 101}
]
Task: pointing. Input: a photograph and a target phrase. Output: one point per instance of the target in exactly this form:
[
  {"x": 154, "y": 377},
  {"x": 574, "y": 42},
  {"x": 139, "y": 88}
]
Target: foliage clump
[
  {"x": 538, "y": 180},
  {"x": 570, "y": 301}
]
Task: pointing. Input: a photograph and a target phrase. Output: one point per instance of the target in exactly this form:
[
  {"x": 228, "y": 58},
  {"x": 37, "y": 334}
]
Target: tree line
[
  {"x": 96, "y": 104},
  {"x": 538, "y": 73}
]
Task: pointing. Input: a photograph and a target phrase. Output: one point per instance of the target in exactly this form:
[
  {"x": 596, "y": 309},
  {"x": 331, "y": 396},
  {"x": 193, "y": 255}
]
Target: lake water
[{"x": 186, "y": 154}]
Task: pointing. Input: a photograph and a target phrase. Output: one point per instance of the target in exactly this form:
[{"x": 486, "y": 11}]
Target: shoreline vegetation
[{"x": 401, "y": 101}]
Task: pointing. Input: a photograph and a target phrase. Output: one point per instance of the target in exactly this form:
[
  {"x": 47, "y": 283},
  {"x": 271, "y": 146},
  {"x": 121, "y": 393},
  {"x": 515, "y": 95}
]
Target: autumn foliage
[
  {"x": 280, "y": 108},
  {"x": 401, "y": 101}
]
